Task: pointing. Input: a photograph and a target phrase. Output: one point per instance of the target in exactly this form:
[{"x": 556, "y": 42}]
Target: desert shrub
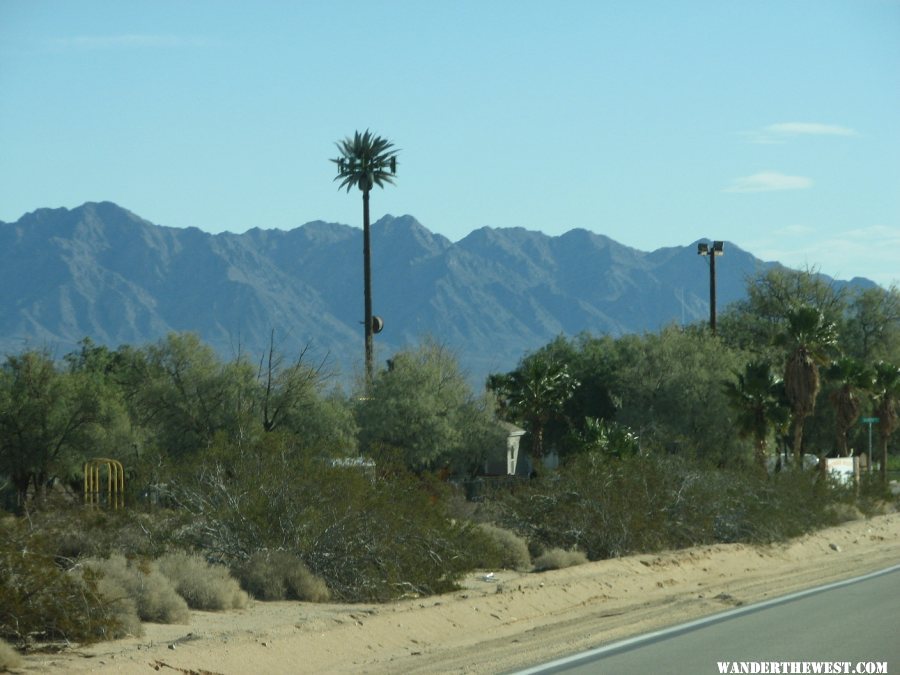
[
  {"x": 203, "y": 586},
  {"x": 489, "y": 509},
  {"x": 9, "y": 657},
  {"x": 559, "y": 558},
  {"x": 614, "y": 507},
  {"x": 789, "y": 504},
  {"x": 42, "y": 602},
  {"x": 304, "y": 585},
  {"x": 386, "y": 539},
  {"x": 876, "y": 498},
  {"x": 154, "y": 595},
  {"x": 279, "y": 575},
  {"x": 84, "y": 532},
  {"x": 369, "y": 537},
  {"x": 605, "y": 507},
  {"x": 122, "y": 607},
  {"x": 504, "y": 548}
]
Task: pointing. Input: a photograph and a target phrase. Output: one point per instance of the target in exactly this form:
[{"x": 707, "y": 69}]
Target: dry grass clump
[
  {"x": 279, "y": 575},
  {"x": 9, "y": 657},
  {"x": 559, "y": 558},
  {"x": 154, "y": 595},
  {"x": 203, "y": 586},
  {"x": 511, "y": 550},
  {"x": 120, "y": 605},
  {"x": 845, "y": 513}
]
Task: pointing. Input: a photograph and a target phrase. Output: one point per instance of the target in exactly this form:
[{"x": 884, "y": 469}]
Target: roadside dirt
[{"x": 495, "y": 623}]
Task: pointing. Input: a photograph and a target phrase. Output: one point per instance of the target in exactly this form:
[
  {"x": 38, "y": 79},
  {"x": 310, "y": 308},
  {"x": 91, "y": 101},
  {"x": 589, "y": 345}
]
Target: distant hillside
[{"x": 101, "y": 271}]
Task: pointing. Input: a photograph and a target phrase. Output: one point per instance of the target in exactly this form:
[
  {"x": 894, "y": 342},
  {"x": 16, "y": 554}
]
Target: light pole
[{"x": 718, "y": 248}]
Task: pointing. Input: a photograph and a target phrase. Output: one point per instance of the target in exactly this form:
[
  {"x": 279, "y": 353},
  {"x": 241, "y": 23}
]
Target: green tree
[
  {"x": 289, "y": 396},
  {"x": 181, "y": 396},
  {"x": 326, "y": 426},
  {"x": 47, "y": 420},
  {"x": 593, "y": 405},
  {"x": 184, "y": 395},
  {"x": 755, "y": 323},
  {"x": 422, "y": 408},
  {"x": 808, "y": 339},
  {"x": 365, "y": 161},
  {"x": 671, "y": 388},
  {"x": 285, "y": 389},
  {"x": 873, "y": 324},
  {"x": 119, "y": 437},
  {"x": 757, "y": 396},
  {"x": 887, "y": 399}
]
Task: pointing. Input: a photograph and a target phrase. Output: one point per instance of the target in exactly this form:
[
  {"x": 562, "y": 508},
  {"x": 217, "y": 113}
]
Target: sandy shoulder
[{"x": 503, "y": 622}]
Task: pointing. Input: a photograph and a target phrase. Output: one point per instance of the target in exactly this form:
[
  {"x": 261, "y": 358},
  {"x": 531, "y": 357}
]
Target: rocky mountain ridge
[{"x": 101, "y": 271}]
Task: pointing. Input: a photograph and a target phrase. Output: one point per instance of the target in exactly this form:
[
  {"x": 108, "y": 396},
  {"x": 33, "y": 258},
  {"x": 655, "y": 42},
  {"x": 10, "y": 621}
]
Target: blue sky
[{"x": 771, "y": 124}]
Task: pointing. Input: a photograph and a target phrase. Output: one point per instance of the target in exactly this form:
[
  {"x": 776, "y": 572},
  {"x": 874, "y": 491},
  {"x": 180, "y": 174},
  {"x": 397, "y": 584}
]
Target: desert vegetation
[{"x": 257, "y": 477}]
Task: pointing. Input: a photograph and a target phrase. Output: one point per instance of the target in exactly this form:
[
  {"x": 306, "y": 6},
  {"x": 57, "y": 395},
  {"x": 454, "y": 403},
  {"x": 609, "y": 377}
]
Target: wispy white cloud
[
  {"x": 126, "y": 41},
  {"x": 768, "y": 181},
  {"x": 776, "y": 134},
  {"x": 809, "y": 128}
]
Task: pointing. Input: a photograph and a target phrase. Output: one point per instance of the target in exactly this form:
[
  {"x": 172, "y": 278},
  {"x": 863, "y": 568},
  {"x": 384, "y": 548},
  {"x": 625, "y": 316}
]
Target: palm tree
[
  {"x": 535, "y": 394},
  {"x": 366, "y": 161},
  {"x": 757, "y": 396},
  {"x": 808, "y": 339},
  {"x": 887, "y": 399},
  {"x": 850, "y": 376}
]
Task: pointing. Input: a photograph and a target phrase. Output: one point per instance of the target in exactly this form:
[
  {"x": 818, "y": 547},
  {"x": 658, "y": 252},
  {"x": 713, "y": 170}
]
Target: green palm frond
[
  {"x": 887, "y": 379},
  {"x": 808, "y": 330},
  {"x": 757, "y": 397},
  {"x": 365, "y": 161},
  {"x": 847, "y": 371}
]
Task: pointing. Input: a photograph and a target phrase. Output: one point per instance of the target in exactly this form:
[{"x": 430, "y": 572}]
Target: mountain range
[{"x": 102, "y": 272}]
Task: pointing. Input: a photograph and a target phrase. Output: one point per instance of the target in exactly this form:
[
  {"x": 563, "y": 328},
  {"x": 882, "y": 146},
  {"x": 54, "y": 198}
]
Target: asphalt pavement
[{"x": 856, "y": 622}]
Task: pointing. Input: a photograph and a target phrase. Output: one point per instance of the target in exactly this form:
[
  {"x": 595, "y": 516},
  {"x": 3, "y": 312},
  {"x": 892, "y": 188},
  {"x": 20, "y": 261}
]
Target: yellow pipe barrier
[{"x": 115, "y": 482}]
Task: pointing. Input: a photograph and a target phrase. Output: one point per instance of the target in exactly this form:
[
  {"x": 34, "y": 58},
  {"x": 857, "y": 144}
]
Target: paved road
[{"x": 846, "y": 622}]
